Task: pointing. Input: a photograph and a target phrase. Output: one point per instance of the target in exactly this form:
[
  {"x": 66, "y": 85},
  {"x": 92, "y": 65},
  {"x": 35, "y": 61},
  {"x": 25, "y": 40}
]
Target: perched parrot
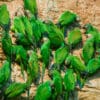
[
  {"x": 61, "y": 54},
  {"x": 15, "y": 89},
  {"x": 4, "y": 17},
  {"x": 78, "y": 65},
  {"x": 7, "y": 44},
  {"x": 45, "y": 52},
  {"x": 88, "y": 50},
  {"x": 33, "y": 68},
  {"x": 93, "y": 65},
  {"x": 67, "y": 18},
  {"x": 31, "y": 5},
  {"x": 74, "y": 37},
  {"x": 55, "y": 35},
  {"x": 5, "y": 73},
  {"x": 20, "y": 55},
  {"x": 43, "y": 91},
  {"x": 57, "y": 83},
  {"x": 69, "y": 80}
]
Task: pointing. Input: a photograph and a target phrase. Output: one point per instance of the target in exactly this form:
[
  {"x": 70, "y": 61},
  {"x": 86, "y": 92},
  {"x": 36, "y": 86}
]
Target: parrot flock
[{"x": 33, "y": 36}]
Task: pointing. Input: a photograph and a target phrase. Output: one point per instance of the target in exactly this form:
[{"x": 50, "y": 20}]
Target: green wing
[
  {"x": 69, "y": 80},
  {"x": 33, "y": 67},
  {"x": 5, "y": 73},
  {"x": 60, "y": 55},
  {"x": 4, "y": 15},
  {"x": 78, "y": 65},
  {"x": 67, "y": 18},
  {"x": 31, "y": 5},
  {"x": 15, "y": 89},
  {"x": 74, "y": 37},
  {"x": 43, "y": 91},
  {"x": 93, "y": 65},
  {"x": 45, "y": 52},
  {"x": 88, "y": 50},
  {"x": 55, "y": 35}
]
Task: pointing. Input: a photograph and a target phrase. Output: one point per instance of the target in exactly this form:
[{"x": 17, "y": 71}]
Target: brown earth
[{"x": 88, "y": 11}]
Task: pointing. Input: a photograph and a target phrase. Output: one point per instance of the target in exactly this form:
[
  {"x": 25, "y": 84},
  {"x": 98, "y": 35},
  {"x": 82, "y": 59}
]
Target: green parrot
[
  {"x": 61, "y": 54},
  {"x": 74, "y": 37},
  {"x": 43, "y": 91},
  {"x": 4, "y": 17},
  {"x": 93, "y": 65},
  {"x": 19, "y": 25},
  {"x": 57, "y": 83},
  {"x": 31, "y": 5},
  {"x": 33, "y": 69},
  {"x": 88, "y": 50},
  {"x": 55, "y": 35},
  {"x": 67, "y": 18},
  {"x": 15, "y": 89},
  {"x": 6, "y": 44},
  {"x": 78, "y": 65},
  {"x": 20, "y": 55},
  {"x": 69, "y": 80},
  {"x": 5, "y": 73},
  {"x": 45, "y": 52}
]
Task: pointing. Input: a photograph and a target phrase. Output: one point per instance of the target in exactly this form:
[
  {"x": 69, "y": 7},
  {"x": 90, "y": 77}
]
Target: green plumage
[
  {"x": 37, "y": 28},
  {"x": 81, "y": 81},
  {"x": 67, "y": 18},
  {"x": 6, "y": 44},
  {"x": 33, "y": 68},
  {"x": 88, "y": 50},
  {"x": 31, "y": 5},
  {"x": 57, "y": 81},
  {"x": 4, "y": 16},
  {"x": 28, "y": 29},
  {"x": 77, "y": 64},
  {"x": 93, "y": 65},
  {"x": 15, "y": 89},
  {"x": 5, "y": 73},
  {"x": 45, "y": 52},
  {"x": 90, "y": 29},
  {"x": 55, "y": 35},
  {"x": 19, "y": 25},
  {"x": 74, "y": 37},
  {"x": 43, "y": 91},
  {"x": 20, "y": 55},
  {"x": 69, "y": 80},
  {"x": 61, "y": 54}
]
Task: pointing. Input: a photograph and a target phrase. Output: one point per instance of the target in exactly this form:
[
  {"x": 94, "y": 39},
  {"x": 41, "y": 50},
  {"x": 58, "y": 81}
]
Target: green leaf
[
  {"x": 43, "y": 91},
  {"x": 74, "y": 37},
  {"x": 67, "y": 18},
  {"x": 93, "y": 65},
  {"x": 61, "y": 54},
  {"x": 4, "y": 15},
  {"x": 45, "y": 52},
  {"x": 88, "y": 50},
  {"x": 15, "y": 89},
  {"x": 69, "y": 80}
]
